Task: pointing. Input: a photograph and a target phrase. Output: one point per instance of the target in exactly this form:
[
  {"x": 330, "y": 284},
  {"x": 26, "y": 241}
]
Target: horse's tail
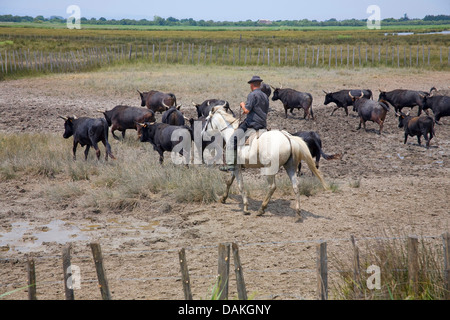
[{"x": 300, "y": 151}]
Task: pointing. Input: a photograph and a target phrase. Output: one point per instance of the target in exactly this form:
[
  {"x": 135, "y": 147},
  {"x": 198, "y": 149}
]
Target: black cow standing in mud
[
  {"x": 87, "y": 132},
  {"x": 294, "y": 99},
  {"x": 342, "y": 99},
  {"x": 124, "y": 117},
  {"x": 401, "y": 98},
  {"x": 370, "y": 110},
  {"x": 417, "y": 126},
  {"x": 440, "y": 106}
]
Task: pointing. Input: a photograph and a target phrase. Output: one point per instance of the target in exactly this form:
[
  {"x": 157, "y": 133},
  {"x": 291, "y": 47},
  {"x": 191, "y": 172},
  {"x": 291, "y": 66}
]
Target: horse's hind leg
[
  {"x": 272, "y": 187},
  {"x": 291, "y": 171}
]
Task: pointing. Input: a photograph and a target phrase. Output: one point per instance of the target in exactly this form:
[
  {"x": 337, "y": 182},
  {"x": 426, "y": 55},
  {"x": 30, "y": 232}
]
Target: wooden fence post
[
  {"x": 446, "y": 239},
  {"x": 31, "y": 279},
  {"x": 242, "y": 291},
  {"x": 322, "y": 271},
  {"x": 101, "y": 273},
  {"x": 413, "y": 263},
  {"x": 356, "y": 269},
  {"x": 185, "y": 275},
  {"x": 223, "y": 270},
  {"x": 67, "y": 271}
]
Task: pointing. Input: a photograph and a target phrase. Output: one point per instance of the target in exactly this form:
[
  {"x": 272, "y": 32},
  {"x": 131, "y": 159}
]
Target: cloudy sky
[{"x": 228, "y": 10}]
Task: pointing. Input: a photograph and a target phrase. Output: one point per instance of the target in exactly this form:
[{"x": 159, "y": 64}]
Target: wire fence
[
  {"x": 321, "y": 56},
  {"x": 272, "y": 270}
]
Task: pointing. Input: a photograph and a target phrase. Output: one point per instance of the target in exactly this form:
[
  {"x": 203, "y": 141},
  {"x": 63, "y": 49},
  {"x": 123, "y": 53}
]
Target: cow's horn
[
  {"x": 350, "y": 94},
  {"x": 194, "y": 104},
  {"x": 64, "y": 118},
  {"x": 75, "y": 117},
  {"x": 325, "y": 92},
  {"x": 362, "y": 94},
  {"x": 272, "y": 87},
  {"x": 98, "y": 110},
  {"x": 140, "y": 124},
  {"x": 165, "y": 105}
]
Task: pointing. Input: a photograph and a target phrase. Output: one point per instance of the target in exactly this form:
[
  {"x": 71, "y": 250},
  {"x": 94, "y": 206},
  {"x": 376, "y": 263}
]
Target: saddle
[{"x": 254, "y": 135}]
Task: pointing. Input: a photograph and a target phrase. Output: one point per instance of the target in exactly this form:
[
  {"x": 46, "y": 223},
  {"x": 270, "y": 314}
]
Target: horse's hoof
[
  {"x": 246, "y": 213},
  {"x": 222, "y": 199},
  {"x": 299, "y": 215},
  {"x": 260, "y": 212}
]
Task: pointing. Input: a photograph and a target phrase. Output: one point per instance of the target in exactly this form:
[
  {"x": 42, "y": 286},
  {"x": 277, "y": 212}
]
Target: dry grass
[
  {"x": 392, "y": 258},
  {"x": 124, "y": 184}
]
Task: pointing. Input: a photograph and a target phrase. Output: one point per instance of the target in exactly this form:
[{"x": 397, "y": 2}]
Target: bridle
[{"x": 208, "y": 121}]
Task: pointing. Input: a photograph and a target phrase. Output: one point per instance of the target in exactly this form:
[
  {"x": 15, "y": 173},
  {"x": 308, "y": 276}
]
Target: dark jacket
[{"x": 258, "y": 106}]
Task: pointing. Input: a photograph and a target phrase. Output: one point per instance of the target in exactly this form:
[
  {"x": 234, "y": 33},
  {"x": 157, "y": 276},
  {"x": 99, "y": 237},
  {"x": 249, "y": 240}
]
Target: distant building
[{"x": 264, "y": 21}]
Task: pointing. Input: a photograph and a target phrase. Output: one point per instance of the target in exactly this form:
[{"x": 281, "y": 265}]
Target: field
[{"x": 142, "y": 214}]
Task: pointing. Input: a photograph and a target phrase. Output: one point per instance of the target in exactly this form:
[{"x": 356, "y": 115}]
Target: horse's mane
[{"x": 228, "y": 117}]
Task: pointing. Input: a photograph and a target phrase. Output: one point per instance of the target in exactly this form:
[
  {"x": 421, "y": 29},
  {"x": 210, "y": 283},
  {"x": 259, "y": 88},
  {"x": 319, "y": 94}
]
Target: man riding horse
[{"x": 256, "y": 109}]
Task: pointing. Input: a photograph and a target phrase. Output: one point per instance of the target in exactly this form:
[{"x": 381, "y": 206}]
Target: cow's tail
[
  {"x": 107, "y": 145},
  {"x": 301, "y": 152},
  {"x": 335, "y": 156}
]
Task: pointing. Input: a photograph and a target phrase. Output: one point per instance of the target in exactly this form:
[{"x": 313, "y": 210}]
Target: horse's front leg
[
  {"x": 229, "y": 182},
  {"x": 272, "y": 187}
]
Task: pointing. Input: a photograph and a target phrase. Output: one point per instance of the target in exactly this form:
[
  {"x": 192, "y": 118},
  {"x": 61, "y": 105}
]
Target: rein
[{"x": 208, "y": 120}]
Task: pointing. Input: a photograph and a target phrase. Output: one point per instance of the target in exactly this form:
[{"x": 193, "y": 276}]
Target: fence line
[
  {"x": 224, "y": 257},
  {"x": 330, "y": 56},
  {"x": 243, "y": 244}
]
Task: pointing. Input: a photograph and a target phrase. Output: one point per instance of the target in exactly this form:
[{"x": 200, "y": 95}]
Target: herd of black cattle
[{"x": 90, "y": 131}]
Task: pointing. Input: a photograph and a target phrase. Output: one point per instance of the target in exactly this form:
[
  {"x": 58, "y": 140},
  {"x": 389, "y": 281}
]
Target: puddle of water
[
  {"x": 410, "y": 33},
  {"x": 24, "y": 238}
]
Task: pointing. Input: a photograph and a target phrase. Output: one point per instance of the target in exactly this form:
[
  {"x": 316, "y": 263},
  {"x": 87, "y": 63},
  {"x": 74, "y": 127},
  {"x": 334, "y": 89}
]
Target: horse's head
[{"x": 220, "y": 119}]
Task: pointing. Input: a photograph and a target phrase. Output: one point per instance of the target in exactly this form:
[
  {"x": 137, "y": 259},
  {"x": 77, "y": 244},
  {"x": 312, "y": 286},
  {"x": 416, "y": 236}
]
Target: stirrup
[{"x": 227, "y": 168}]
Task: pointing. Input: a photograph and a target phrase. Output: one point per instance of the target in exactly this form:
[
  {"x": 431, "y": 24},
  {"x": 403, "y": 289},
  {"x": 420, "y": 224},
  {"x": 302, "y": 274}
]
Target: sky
[{"x": 228, "y": 10}]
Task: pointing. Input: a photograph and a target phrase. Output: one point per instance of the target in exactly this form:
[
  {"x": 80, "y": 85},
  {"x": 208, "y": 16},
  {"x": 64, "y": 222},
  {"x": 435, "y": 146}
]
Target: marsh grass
[
  {"x": 123, "y": 184},
  {"x": 392, "y": 258}
]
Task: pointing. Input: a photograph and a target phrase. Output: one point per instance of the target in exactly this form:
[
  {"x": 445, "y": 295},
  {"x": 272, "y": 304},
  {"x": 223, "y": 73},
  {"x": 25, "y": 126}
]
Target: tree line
[{"x": 171, "y": 21}]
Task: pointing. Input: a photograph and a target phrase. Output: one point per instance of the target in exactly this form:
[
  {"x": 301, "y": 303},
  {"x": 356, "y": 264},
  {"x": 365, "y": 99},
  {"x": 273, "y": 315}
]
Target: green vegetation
[{"x": 173, "y": 22}]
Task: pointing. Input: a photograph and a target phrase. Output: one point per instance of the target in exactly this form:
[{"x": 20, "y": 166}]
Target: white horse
[{"x": 269, "y": 152}]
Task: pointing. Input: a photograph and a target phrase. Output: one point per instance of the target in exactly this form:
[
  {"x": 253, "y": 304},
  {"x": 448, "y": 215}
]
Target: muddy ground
[{"x": 385, "y": 188}]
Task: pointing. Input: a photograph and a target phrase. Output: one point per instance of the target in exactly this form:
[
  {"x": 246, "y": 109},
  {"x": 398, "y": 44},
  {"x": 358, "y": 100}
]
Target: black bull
[
  {"x": 440, "y": 106},
  {"x": 124, "y": 117},
  {"x": 160, "y": 136},
  {"x": 157, "y": 101},
  {"x": 294, "y": 99},
  {"x": 87, "y": 132},
  {"x": 417, "y": 126},
  {"x": 314, "y": 143},
  {"x": 401, "y": 98},
  {"x": 342, "y": 98}
]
